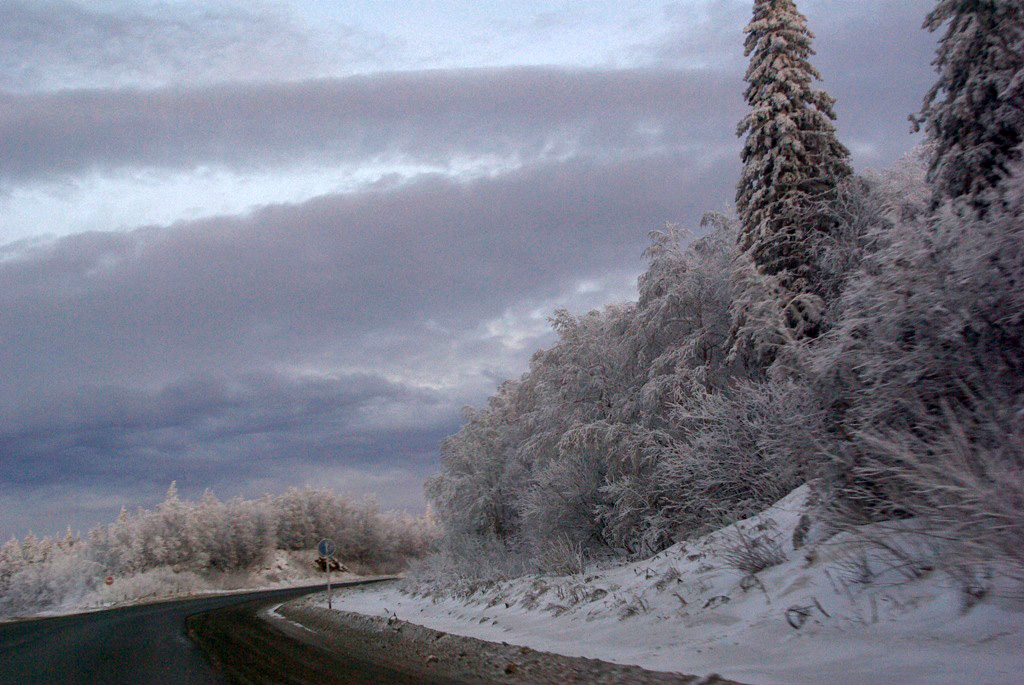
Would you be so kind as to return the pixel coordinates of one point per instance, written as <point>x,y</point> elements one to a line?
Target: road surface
<point>253,650</point>
<point>305,644</point>
<point>138,644</point>
<point>149,644</point>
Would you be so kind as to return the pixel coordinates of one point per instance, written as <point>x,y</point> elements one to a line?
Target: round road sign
<point>326,547</point>
<point>109,580</point>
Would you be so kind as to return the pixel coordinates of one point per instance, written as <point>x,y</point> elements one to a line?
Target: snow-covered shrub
<point>959,472</point>
<point>462,563</point>
<point>862,214</point>
<point>630,497</point>
<point>923,380</point>
<point>62,581</point>
<point>682,318</point>
<point>753,551</point>
<point>759,331</point>
<point>161,581</point>
<point>474,492</point>
<point>901,192</point>
<point>740,450</point>
<point>563,557</point>
<point>562,502</point>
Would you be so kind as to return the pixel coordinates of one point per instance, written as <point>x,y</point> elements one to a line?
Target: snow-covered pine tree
<point>12,560</point>
<point>792,159</point>
<point>974,114</point>
<point>68,541</point>
<point>30,549</point>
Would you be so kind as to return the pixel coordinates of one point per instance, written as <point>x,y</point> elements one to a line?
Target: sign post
<point>326,549</point>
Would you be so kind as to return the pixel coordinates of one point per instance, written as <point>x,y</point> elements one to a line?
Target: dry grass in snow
<point>746,603</point>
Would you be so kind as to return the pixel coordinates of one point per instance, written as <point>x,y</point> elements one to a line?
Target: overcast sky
<point>250,245</point>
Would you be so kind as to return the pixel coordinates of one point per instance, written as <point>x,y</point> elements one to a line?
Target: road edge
<point>432,655</point>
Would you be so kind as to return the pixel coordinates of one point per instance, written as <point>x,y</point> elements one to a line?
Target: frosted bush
<point>462,563</point>
<point>923,381</point>
<point>740,451</point>
<point>62,582</point>
<point>182,546</point>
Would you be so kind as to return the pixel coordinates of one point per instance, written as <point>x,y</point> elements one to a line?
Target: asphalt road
<point>139,644</point>
<point>251,650</point>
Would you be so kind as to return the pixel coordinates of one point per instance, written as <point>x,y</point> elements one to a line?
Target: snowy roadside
<point>354,647</point>
<point>826,613</point>
<point>284,571</point>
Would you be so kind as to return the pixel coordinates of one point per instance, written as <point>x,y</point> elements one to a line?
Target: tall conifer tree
<point>791,157</point>
<point>974,114</point>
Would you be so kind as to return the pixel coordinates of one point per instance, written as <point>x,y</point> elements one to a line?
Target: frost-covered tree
<point>974,114</point>
<point>923,380</point>
<point>474,493</point>
<point>566,452</point>
<point>296,530</point>
<point>68,541</point>
<point>30,549</point>
<point>791,157</point>
<point>12,560</point>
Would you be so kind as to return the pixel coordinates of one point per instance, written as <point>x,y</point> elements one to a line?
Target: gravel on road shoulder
<point>432,656</point>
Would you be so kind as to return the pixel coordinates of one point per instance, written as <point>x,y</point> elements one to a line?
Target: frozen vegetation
<point>647,425</point>
<point>860,334</point>
<point>799,455</point>
<point>183,547</point>
<point>764,600</point>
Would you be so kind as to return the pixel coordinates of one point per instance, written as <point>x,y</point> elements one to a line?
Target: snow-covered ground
<point>689,609</point>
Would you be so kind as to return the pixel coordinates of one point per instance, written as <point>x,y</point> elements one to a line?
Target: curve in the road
<point>138,644</point>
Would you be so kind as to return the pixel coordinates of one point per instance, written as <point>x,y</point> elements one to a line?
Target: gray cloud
<point>291,282</point>
<point>521,113</point>
<point>56,44</point>
<point>211,349</point>
<point>210,429</point>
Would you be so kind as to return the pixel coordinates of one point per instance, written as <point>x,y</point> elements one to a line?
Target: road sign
<point>326,547</point>
<point>109,580</point>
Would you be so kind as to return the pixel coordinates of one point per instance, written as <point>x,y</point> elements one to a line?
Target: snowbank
<point>695,609</point>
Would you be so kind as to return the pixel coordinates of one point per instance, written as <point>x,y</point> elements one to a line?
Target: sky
<point>253,245</point>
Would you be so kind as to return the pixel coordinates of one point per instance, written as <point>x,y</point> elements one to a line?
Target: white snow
<point>686,610</point>
<point>273,613</point>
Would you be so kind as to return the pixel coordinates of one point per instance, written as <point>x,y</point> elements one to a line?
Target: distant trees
<point>182,539</point>
<point>974,114</point>
<point>792,159</point>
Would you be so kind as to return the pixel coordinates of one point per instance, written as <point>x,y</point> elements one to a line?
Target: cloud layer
<point>515,114</point>
<point>204,351</point>
<point>330,332</point>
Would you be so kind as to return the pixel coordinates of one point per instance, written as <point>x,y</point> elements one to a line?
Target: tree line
<point>861,333</point>
<point>204,540</point>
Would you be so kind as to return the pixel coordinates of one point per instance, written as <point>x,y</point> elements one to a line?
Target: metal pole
<point>329,583</point>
